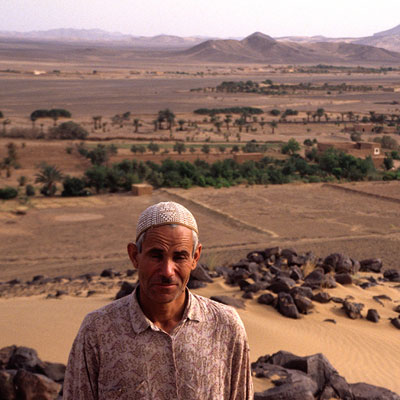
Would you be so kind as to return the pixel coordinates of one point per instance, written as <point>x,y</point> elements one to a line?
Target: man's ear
<point>196,256</point>
<point>133,253</point>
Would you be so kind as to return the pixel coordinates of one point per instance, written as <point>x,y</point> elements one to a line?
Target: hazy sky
<point>222,18</point>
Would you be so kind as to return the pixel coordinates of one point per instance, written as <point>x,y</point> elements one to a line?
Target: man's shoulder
<point>116,309</point>
<point>215,311</point>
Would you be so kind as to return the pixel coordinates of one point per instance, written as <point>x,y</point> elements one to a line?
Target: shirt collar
<point>140,322</point>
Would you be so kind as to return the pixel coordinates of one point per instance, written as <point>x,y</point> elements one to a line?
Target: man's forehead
<point>168,235</point>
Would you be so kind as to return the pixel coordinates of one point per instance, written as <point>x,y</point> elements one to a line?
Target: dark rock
<point>296,260</point>
<point>392,275</point>
<point>340,263</point>
<point>337,300</point>
<point>353,310</point>
<point>234,276</point>
<point>201,274</point>
<point>14,282</point>
<point>322,297</point>
<point>281,284</point>
<point>356,266</point>
<point>272,251</point>
<point>395,322</point>
<point>381,297</point>
<point>60,293</point>
<point>130,272</point>
<point>302,291</point>
<point>372,315</point>
<point>364,391</point>
<point>108,273</point>
<point>367,285</point>
<point>126,289</point>
<point>248,295</point>
<point>296,273</point>
<point>397,309</point>
<point>32,386</point>
<point>317,367</point>
<point>195,284</point>
<point>230,301</point>
<point>222,271</point>
<point>266,298</point>
<point>38,278</point>
<point>25,358</point>
<point>243,283</point>
<point>371,265</point>
<point>315,278</point>
<point>344,279</point>
<point>330,320</point>
<point>329,282</point>
<point>256,256</point>
<point>7,388</point>
<point>286,306</point>
<point>54,371</point>
<point>303,304</point>
<point>291,385</point>
<point>5,355</point>
<point>88,277</point>
<point>91,293</point>
<point>288,253</point>
<point>327,268</point>
<point>256,287</point>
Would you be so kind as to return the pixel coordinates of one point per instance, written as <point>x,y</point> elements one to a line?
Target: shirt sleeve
<point>81,376</point>
<point>241,382</point>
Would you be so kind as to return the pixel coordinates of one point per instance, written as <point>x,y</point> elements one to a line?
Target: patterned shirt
<point>120,354</point>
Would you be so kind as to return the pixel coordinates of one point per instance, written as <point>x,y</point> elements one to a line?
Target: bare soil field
<point>73,236</point>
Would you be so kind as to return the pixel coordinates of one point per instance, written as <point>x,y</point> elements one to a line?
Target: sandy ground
<point>360,350</point>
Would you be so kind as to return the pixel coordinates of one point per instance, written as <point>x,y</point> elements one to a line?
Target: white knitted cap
<point>165,213</point>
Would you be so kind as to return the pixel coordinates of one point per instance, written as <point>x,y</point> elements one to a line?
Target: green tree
<point>68,131</point>
<point>136,124</point>
<point>273,125</point>
<point>320,113</point>
<point>96,177</point>
<point>153,147</point>
<point>179,147</point>
<point>388,163</point>
<point>181,123</point>
<point>48,175</point>
<point>291,147</point>
<point>205,149</point>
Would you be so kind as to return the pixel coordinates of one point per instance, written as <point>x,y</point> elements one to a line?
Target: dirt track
<point>73,236</point>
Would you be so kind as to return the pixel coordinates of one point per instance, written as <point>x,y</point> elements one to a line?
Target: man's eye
<point>156,256</point>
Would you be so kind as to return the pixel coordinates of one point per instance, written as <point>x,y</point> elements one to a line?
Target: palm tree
<point>262,123</point>
<point>181,122</point>
<point>136,124</point>
<point>5,123</point>
<point>320,112</point>
<point>228,120</point>
<point>273,125</point>
<point>48,176</point>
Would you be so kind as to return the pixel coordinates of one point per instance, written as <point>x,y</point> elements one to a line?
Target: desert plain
<point>59,236</point>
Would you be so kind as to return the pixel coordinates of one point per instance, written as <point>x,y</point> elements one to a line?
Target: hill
<point>259,47</point>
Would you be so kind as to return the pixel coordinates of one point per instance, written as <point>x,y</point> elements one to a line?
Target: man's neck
<point>167,315</point>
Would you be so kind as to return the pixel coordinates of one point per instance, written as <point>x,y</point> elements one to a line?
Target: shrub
<point>8,193</point>
<point>68,130</point>
<point>74,187</point>
<point>29,190</point>
<point>22,180</point>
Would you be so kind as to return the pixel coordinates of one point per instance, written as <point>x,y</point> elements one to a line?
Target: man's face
<point>165,263</point>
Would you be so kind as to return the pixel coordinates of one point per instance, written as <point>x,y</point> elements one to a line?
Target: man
<point>161,342</point>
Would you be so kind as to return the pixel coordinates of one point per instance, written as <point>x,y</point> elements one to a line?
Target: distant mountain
<point>389,39</point>
<point>101,36</point>
<point>262,48</point>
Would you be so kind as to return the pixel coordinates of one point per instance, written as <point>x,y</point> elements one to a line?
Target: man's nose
<point>167,268</point>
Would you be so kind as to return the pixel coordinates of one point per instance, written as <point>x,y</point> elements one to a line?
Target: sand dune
<point>360,350</point>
